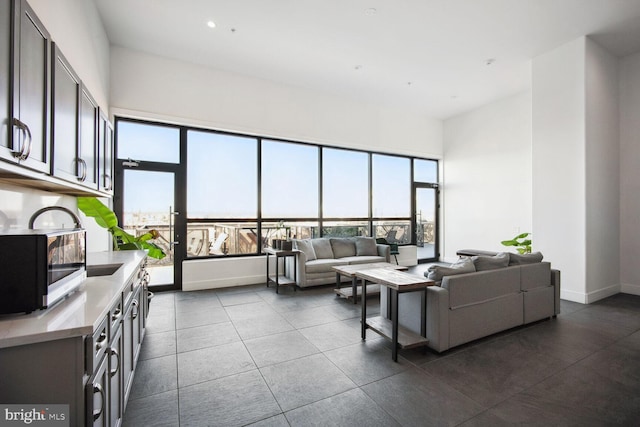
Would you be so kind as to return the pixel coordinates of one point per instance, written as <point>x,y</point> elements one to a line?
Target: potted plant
<point>106,218</point>
<point>522,243</point>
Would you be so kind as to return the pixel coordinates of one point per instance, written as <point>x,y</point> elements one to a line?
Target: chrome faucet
<point>32,220</point>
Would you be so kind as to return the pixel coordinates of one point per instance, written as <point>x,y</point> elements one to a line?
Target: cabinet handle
<point>97,388</point>
<point>101,341</point>
<point>114,352</point>
<point>108,182</point>
<point>83,175</point>
<point>117,314</point>
<point>27,143</point>
<point>134,315</point>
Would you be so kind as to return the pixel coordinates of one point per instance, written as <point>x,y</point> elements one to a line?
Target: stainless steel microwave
<point>40,267</point>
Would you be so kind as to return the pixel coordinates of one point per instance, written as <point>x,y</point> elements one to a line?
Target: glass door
<point>148,203</point>
<point>425,218</point>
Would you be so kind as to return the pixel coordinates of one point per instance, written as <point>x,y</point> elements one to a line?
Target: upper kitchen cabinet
<point>105,154</point>
<point>88,147</point>
<point>5,77</point>
<point>24,93</point>
<point>65,115</point>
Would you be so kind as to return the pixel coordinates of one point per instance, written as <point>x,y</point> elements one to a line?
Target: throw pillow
<point>343,247</point>
<point>322,248</point>
<point>305,246</point>
<point>437,272</point>
<point>483,263</point>
<point>366,246</point>
<point>520,259</point>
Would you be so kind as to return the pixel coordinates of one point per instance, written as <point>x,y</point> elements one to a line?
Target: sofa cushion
<point>366,246</point>
<point>323,265</point>
<point>536,275</point>
<point>520,259</point>
<point>343,247</point>
<point>322,248</point>
<point>363,259</point>
<point>437,272</point>
<point>483,263</point>
<point>305,246</point>
<point>476,288</point>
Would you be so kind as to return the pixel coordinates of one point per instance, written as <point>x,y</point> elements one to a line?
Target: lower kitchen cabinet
<point>92,373</point>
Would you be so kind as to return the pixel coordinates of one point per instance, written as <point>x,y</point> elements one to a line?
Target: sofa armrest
<point>474,252</point>
<point>385,251</point>
<point>555,282</point>
<point>301,273</point>
<point>438,318</point>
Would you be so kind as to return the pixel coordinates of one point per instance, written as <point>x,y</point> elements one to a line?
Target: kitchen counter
<point>79,313</point>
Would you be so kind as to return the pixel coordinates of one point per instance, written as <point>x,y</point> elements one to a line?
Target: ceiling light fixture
<point>490,61</point>
<point>211,24</point>
<point>371,11</point>
<point>357,67</point>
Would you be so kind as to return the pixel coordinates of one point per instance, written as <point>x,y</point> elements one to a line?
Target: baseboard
<point>573,296</point>
<point>630,289</point>
<point>602,293</point>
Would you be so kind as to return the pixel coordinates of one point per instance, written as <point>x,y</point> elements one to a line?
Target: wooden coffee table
<point>350,271</point>
<point>397,282</point>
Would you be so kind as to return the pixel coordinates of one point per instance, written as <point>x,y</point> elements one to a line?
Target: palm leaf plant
<point>122,241</point>
<point>521,242</point>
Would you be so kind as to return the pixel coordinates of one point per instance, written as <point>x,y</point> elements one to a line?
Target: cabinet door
<point>127,350</point>
<point>97,396</point>
<point>6,37</point>
<point>88,149</point>
<point>105,154</point>
<point>137,315</point>
<point>116,390</point>
<point>30,134</point>
<point>65,106</point>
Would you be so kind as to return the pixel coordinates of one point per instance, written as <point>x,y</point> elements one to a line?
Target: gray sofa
<point>473,305</point>
<point>318,256</point>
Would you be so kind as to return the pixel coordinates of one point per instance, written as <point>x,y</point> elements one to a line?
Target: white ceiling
<point>428,55</point>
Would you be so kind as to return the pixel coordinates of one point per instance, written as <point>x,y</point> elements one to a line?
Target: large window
<point>345,183</point>
<point>234,194</point>
<point>289,180</point>
<point>221,176</point>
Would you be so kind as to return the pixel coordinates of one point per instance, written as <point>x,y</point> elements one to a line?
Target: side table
<point>397,282</point>
<point>281,279</point>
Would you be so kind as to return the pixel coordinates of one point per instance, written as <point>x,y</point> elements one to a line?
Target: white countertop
<point>80,312</point>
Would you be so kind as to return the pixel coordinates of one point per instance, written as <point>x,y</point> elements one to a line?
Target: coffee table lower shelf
<point>347,291</point>
<point>406,338</point>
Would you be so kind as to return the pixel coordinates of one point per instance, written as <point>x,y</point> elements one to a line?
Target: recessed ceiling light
<point>211,24</point>
<point>371,11</point>
<point>357,67</point>
<point>490,61</point>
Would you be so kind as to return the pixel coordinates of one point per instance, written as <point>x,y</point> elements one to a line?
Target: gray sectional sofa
<point>474,304</point>
<point>318,256</point>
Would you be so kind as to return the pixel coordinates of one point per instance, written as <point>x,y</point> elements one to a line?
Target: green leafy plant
<point>522,242</point>
<point>122,241</point>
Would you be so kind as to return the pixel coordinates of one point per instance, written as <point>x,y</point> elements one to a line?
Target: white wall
<point>152,87</point>
<point>630,173</point>
<point>575,167</point>
<point>76,27</point>
<point>559,217</point>
<point>487,176</point>
<point>149,86</point>
<point>602,173</point>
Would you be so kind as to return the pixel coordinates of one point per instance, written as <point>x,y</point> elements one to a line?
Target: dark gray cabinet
<point>6,38</point>
<point>26,123</point>
<point>66,89</point>
<point>49,122</point>
<point>88,146</point>
<point>105,154</point>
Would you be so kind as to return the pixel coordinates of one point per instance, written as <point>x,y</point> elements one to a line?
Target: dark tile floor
<point>238,356</point>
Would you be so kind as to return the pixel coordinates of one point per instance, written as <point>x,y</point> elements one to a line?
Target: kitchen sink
<point>102,269</point>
